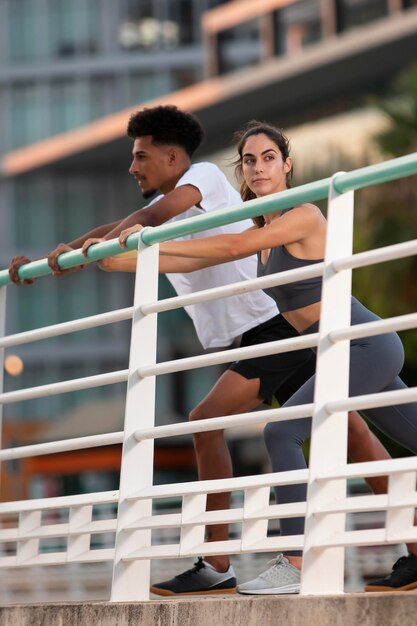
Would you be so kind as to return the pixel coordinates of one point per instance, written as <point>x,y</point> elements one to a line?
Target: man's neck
<point>171,184</point>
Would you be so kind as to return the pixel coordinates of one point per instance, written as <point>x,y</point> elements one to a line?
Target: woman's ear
<point>288,165</point>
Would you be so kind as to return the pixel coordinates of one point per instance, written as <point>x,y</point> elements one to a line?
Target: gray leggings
<point>375,363</point>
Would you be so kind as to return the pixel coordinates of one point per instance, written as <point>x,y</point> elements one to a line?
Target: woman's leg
<point>284,444</point>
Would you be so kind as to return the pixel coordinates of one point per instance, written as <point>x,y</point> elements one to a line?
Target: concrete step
<point>373,609</point>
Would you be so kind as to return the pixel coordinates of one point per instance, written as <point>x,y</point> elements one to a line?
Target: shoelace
<point>278,559</point>
<point>197,567</point>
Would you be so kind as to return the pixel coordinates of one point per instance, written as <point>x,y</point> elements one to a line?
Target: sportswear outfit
<point>375,363</point>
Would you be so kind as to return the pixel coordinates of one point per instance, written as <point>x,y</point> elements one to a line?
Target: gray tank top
<point>294,295</point>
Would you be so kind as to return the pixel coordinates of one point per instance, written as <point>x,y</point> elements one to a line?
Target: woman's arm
<point>295,226</point>
<point>126,262</point>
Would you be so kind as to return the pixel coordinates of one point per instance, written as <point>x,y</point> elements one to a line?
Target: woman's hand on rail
<point>90,242</point>
<point>53,260</point>
<point>128,231</point>
<point>16,262</point>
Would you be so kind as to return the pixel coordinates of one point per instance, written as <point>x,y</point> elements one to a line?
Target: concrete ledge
<point>375,609</point>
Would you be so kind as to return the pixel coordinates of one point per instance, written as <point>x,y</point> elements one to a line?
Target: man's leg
<point>363,445</point>
<point>232,394</point>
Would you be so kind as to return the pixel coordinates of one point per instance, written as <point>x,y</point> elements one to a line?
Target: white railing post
<point>192,536</point>
<point>79,544</point>
<point>254,530</point>
<point>131,579</point>
<point>28,548</point>
<point>323,568</point>
<point>399,521</point>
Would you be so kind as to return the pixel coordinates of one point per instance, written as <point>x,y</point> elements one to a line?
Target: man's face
<point>150,165</point>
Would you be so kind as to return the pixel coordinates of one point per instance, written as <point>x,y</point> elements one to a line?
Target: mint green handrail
<point>311,192</point>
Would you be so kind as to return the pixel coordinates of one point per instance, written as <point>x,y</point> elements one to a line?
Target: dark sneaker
<point>201,579</point>
<point>402,578</point>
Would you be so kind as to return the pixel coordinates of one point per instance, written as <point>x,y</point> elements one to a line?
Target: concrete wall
<point>375,609</point>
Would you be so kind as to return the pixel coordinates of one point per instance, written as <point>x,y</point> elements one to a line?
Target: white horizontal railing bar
<point>88,382</point>
<point>372,468</point>
<point>56,558</point>
<point>224,484</point>
<point>379,327</point>
<point>164,551</point>
<point>66,445</point>
<point>277,543</point>
<point>231,546</point>
<point>233,289</point>
<point>373,400</point>
<point>368,537</point>
<point>220,516</point>
<point>379,255</point>
<point>364,504</point>
<point>226,421</point>
<point>66,327</point>
<point>59,530</point>
<point>166,520</point>
<point>60,502</point>
<point>227,356</point>
<point>174,520</point>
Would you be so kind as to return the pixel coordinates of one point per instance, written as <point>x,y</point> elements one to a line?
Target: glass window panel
<point>24,18</point>
<point>74,27</point>
<point>27,115</point>
<point>33,226</point>
<point>70,106</point>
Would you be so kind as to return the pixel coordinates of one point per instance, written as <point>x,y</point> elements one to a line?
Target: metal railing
<point>326,505</point>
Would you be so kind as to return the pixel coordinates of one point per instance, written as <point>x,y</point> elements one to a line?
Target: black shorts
<point>280,375</point>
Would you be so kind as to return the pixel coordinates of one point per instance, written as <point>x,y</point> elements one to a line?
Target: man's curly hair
<point>168,126</point>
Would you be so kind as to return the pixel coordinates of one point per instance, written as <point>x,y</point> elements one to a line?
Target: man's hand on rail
<point>16,262</point>
<point>128,231</point>
<point>90,242</point>
<point>53,260</point>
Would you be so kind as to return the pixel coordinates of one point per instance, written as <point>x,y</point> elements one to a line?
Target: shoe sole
<point>269,592</point>
<point>204,592</point>
<point>410,587</point>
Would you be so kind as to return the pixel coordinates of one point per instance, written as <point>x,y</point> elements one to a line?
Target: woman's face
<point>263,168</point>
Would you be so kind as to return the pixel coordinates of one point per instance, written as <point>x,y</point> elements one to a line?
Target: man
<point>164,140</point>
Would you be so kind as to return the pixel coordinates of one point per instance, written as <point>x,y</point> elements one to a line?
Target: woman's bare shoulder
<point>309,207</point>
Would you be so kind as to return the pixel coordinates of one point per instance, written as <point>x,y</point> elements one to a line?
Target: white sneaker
<point>281,577</point>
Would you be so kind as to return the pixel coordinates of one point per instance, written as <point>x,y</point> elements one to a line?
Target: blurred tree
<point>387,214</point>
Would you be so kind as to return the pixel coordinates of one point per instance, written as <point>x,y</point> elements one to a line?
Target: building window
<point>160,24</point>
<point>24,21</point>
<point>74,27</point>
<point>70,106</point>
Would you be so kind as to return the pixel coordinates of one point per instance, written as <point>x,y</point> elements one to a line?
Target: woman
<point>284,240</point>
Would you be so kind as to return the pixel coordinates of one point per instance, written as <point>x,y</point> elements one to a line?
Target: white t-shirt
<point>219,322</point>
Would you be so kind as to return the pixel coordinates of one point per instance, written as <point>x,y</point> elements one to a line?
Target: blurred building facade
<point>66,64</point>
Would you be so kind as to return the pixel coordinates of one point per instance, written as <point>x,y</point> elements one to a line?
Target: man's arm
<point>173,203</point>
<point>18,261</point>
<point>99,231</point>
